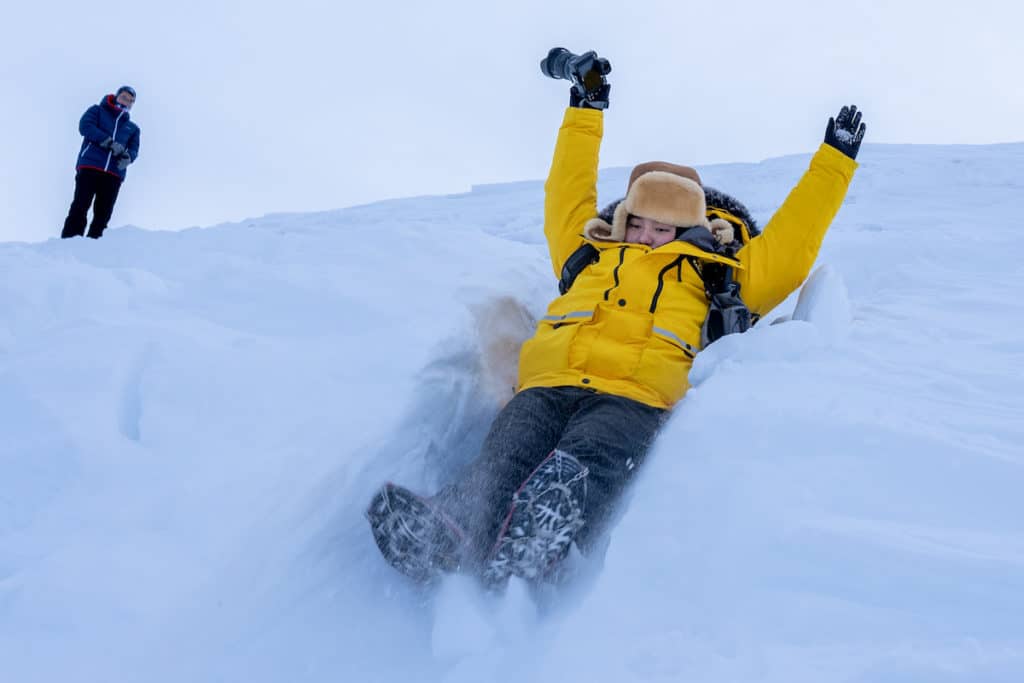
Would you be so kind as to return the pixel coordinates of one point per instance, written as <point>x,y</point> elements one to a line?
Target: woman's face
<point>640,230</point>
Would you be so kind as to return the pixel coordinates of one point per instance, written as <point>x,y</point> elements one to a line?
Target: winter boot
<point>546,513</point>
<point>413,535</point>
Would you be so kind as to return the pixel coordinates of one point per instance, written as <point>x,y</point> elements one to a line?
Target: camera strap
<point>727,312</point>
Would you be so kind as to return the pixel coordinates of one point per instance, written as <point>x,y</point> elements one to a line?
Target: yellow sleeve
<point>779,259</point>
<point>570,193</point>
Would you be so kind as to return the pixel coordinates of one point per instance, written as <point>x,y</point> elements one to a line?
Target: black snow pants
<point>91,184</point>
<point>609,435</point>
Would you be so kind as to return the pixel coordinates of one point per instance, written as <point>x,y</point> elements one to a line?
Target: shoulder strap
<point>585,255</point>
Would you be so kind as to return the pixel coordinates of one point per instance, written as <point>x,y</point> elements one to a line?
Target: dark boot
<point>547,512</point>
<point>413,535</point>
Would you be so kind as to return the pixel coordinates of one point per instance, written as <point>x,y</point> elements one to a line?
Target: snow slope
<point>191,423</point>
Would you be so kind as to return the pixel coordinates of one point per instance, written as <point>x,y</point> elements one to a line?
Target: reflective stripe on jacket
<point>630,324</point>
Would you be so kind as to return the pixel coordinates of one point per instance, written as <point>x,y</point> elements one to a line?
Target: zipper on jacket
<point>113,138</point>
<point>88,144</point>
<point>661,281</point>
<point>615,273</point>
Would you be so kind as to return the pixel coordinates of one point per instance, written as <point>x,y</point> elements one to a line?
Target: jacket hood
<point>716,199</point>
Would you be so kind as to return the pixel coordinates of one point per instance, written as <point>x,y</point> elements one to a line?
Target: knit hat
<point>126,88</point>
<point>667,193</point>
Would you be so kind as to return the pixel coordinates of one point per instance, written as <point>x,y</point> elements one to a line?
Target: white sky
<point>254,107</point>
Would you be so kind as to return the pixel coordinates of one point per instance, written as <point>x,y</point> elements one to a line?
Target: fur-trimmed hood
<point>716,199</point>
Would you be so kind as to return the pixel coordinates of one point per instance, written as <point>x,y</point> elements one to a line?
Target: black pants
<point>608,434</point>
<point>91,184</point>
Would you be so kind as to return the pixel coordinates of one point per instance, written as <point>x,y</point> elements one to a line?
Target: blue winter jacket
<point>99,122</point>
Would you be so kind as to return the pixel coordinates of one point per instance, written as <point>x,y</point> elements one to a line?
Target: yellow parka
<point>630,324</point>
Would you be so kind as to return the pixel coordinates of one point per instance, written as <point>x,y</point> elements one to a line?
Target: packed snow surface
<point>192,422</point>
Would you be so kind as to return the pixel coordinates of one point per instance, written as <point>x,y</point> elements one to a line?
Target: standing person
<point>110,142</point>
<point>645,284</point>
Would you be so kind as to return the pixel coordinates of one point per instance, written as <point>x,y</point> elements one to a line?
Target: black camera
<point>586,71</point>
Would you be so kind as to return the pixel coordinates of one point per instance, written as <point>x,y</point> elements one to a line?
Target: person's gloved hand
<point>117,148</point>
<point>845,131</point>
<point>595,99</point>
<point>123,161</point>
<point>106,143</point>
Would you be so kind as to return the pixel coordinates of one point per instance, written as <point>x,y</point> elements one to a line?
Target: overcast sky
<point>253,107</point>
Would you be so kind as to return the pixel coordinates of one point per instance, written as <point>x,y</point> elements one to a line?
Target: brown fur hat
<point>667,193</point>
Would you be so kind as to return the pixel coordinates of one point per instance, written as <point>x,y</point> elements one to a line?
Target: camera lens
<point>556,64</point>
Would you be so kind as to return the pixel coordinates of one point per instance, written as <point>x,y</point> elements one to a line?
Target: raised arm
<point>780,258</point>
<point>570,193</point>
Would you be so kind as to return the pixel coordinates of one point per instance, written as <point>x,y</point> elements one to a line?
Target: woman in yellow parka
<point>645,284</point>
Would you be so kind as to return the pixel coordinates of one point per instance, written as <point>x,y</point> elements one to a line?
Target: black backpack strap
<point>585,255</point>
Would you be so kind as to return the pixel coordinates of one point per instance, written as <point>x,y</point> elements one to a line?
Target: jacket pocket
<point>547,351</point>
<point>676,340</point>
<point>612,344</point>
<point>575,317</point>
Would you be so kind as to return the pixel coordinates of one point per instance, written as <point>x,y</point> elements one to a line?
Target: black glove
<point>117,148</point>
<point>845,131</point>
<point>597,99</point>
<point>123,161</point>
